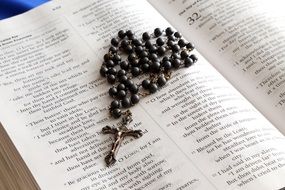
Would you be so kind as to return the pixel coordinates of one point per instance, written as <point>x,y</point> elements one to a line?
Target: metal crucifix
<point>120,133</point>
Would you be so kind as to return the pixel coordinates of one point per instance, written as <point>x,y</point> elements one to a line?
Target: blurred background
<point>10,8</point>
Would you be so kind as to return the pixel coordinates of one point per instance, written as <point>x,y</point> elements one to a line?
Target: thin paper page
<point>244,40</point>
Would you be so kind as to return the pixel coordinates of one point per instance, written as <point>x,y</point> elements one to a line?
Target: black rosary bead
<point>128,83</point>
<point>143,54</point>
<point>165,58</point>
<point>175,56</point>
<point>171,38</point>
<point>129,33</point>
<point>152,88</point>
<point>157,32</point>
<point>112,71</point>
<point>116,113</point>
<point>145,67</point>
<point>113,91</point>
<point>188,62</point>
<point>161,80</point>
<point>152,49</point>
<point>170,43</point>
<point>184,54</point>
<point>137,42</point>
<point>139,50</point>
<point>145,36</point>
<point>116,59</point>
<point>111,79</point>
<point>148,44</point>
<point>107,57</point>
<point>103,71</point>
<point>194,58</point>
<point>153,56</point>
<point>190,46</point>
<point>124,65</point>
<point>145,84</point>
<point>121,86</point>
<point>129,49</point>
<point>121,72</point>
<point>144,60</point>
<point>135,99</point>
<point>161,50</point>
<point>123,79</point>
<point>169,31</point>
<point>121,94</point>
<point>124,43</point>
<point>166,65</point>
<point>110,63</point>
<point>176,63</point>
<point>121,34</point>
<point>115,42</point>
<point>155,67</point>
<point>177,35</point>
<point>115,104</point>
<point>182,43</point>
<point>136,71</point>
<point>175,48</point>
<point>132,57</point>
<point>159,41</point>
<point>126,103</point>
<point>134,88</point>
<point>135,63</point>
<point>113,49</point>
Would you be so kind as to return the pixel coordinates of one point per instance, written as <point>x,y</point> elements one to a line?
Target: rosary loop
<point>137,68</point>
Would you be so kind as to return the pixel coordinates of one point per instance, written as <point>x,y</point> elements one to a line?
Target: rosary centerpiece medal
<point>153,57</point>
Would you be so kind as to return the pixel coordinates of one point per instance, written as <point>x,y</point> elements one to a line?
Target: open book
<point>217,125</point>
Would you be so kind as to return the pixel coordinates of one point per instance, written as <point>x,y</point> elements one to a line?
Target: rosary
<point>153,58</point>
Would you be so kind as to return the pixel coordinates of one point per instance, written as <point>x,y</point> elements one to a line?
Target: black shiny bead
<point>116,59</point>
<point>152,49</point>
<point>121,34</point>
<point>113,49</point>
<point>167,65</point>
<point>148,44</point>
<point>112,71</point>
<point>159,41</point>
<point>121,86</point>
<point>113,91</point>
<point>161,50</point>
<point>135,63</point>
<point>184,54</point>
<point>137,42</point>
<point>194,58</point>
<point>188,62</point>
<point>128,83</point>
<point>129,49</point>
<point>132,57</point>
<point>115,104</point>
<point>155,67</point>
<point>121,94</point>
<point>143,60</point>
<point>169,31</point>
<point>143,54</point>
<point>161,81</point>
<point>139,50</point>
<point>123,79</point>
<point>110,63</point>
<point>165,59</point>
<point>136,71</point>
<point>170,43</point>
<point>145,67</point>
<point>176,63</point>
<point>175,56</point>
<point>103,71</point>
<point>124,43</point>
<point>153,56</point>
<point>114,42</point>
<point>175,48</point>
<point>116,113</point>
<point>129,33</point>
<point>134,88</point>
<point>182,43</point>
<point>107,57</point>
<point>157,32</point>
<point>124,65</point>
<point>121,72</point>
<point>126,103</point>
<point>177,35</point>
<point>190,46</point>
<point>171,38</point>
<point>145,83</point>
<point>135,99</point>
<point>111,79</point>
<point>152,88</point>
<point>145,36</point>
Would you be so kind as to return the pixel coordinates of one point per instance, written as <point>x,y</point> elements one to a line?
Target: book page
<point>199,132</point>
<point>244,40</point>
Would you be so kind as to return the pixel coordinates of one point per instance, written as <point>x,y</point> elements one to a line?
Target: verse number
<point>191,19</point>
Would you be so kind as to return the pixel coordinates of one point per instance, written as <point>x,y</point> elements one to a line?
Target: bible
<point>216,125</point>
